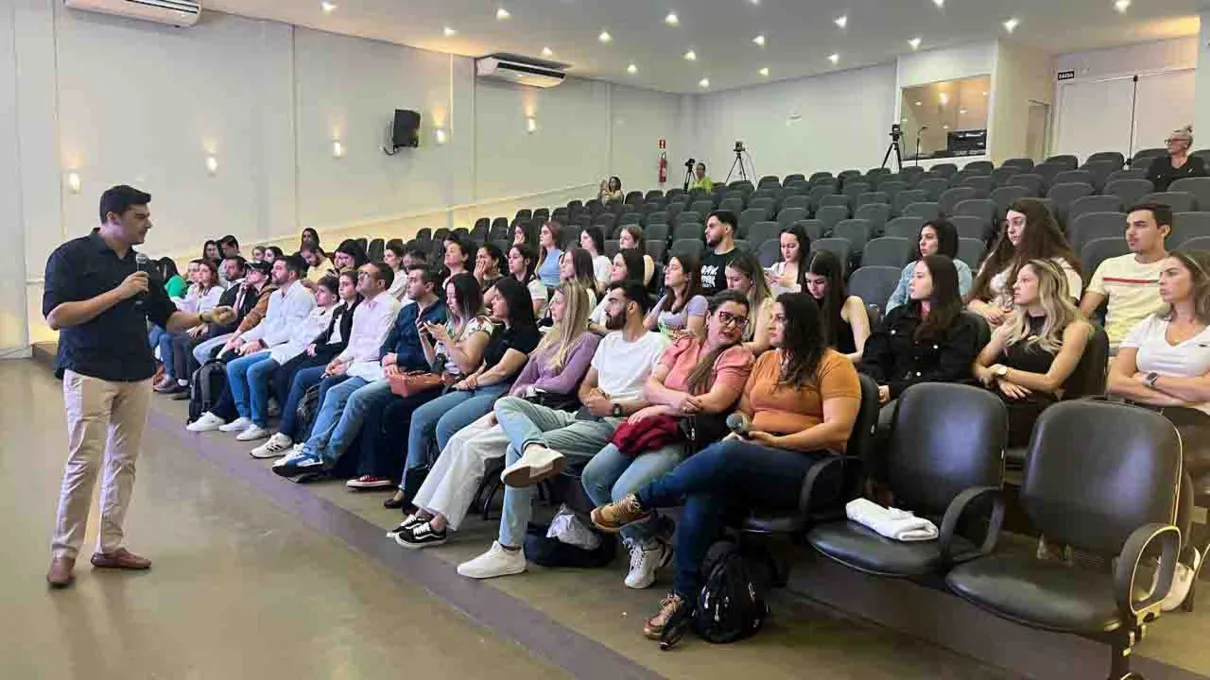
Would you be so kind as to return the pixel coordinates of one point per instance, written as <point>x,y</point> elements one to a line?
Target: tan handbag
<point>414,382</point>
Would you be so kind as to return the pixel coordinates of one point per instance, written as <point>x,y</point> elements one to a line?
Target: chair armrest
<point>813,474</point>
<point>958,507</point>
<point>1128,568</point>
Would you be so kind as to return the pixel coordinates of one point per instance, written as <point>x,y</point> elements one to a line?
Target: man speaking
<point>100,299</point>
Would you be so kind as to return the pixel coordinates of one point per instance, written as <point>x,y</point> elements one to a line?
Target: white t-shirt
<point>1189,359</point>
<point>1075,284</point>
<point>623,367</point>
<point>1132,291</point>
<point>600,268</point>
<point>779,270</point>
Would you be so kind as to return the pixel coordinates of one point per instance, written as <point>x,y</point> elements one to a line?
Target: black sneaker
<point>420,536</point>
<point>408,522</point>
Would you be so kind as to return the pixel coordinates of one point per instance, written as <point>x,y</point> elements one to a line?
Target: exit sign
<point>1067,75</point>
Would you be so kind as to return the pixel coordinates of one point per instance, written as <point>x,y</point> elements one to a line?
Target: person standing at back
<point>1131,283</point>
<point>720,249</point>
<point>106,365</point>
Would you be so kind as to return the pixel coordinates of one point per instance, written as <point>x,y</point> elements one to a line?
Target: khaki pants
<point>105,422</point>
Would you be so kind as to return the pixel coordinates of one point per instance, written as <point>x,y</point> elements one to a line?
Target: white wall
<point>1201,119</point>
<point>12,260</point>
<point>1164,55</point>
<point>951,63</point>
<point>1023,76</point>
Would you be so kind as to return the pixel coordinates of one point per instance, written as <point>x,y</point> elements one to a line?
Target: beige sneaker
<point>612,517</point>
<point>536,464</point>
<point>654,627</point>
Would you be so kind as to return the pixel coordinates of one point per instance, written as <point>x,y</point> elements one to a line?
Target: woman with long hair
<point>575,266</point>
<point>592,239</point>
<point>550,241</point>
<point>1164,364</point>
<point>682,309</point>
<point>700,376</point>
<point>309,236</point>
<point>801,401</point>
<point>174,283</point>
<point>627,266</point>
<point>631,237</point>
<point>1030,233</point>
<point>1033,353</point>
<point>522,261</point>
<point>272,254</point>
<point>553,373</point>
<point>211,252</point>
<point>349,255</point>
<point>611,190</point>
<point>937,237</point>
<point>490,264</point>
<point>203,296</point>
<point>786,276</point>
<point>525,233</point>
<point>744,276</point>
<point>846,323</point>
<point>926,340</point>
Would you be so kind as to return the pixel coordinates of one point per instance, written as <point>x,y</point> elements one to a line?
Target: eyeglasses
<point>727,319</point>
<point>1172,140</point>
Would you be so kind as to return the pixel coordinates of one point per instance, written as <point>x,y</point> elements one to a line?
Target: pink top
<point>731,368</point>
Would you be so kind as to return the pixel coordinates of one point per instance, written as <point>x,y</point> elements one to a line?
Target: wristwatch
<point>1000,370</point>
<point>617,410</point>
<point>1149,381</point>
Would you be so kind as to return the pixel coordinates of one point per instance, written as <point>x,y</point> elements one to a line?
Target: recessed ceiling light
<point>672,19</point>
<point>632,69</point>
<point>1011,24</point>
<point>704,82</point>
<point>835,58</point>
<point>1121,6</point>
<point>449,32</point>
<point>547,52</point>
<point>327,7</point>
<point>962,111</point>
<point>842,20</point>
<point>764,71</point>
<point>915,43</point>
<point>985,93</point>
<point>939,3</point>
<point>691,56</point>
<point>945,127</point>
<point>759,40</point>
<point>502,14</point>
<point>605,37</point>
<point>919,103</point>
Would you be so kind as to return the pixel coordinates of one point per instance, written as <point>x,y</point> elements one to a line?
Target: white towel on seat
<point>895,524</point>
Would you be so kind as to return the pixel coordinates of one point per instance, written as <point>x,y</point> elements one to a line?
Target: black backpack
<point>731,605</point>
<point>206,387</point>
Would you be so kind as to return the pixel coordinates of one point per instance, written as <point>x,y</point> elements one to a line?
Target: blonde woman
<point>745,276</point>
<point>1177,163</point>
<point>552,375</point>
<point>1033,353</point>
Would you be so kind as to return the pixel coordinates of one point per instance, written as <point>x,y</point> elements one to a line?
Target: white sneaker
<point>645,561</point>
<point>1182,581</point>
<point>277,446</point>
<point>495,562</point>
<point>295,454</point>
<point>207,423</point>
<point>237,425</point>
<point>536,464</point>
<point>253,433</point>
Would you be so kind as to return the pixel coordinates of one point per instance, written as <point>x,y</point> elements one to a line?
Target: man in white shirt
<point>359,365</point>
<point>541,438</point>
<point>1130,283</point>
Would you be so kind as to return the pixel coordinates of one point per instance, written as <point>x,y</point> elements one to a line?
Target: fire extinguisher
<point>663,162</point>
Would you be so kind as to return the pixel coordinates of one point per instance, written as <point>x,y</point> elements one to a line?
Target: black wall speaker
<point>405,130</point>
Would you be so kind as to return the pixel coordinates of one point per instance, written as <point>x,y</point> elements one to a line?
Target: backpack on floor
<point>731,605</point>
<point>205,387</point>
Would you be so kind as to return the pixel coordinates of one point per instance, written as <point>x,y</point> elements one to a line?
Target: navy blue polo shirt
<point>113,346</point>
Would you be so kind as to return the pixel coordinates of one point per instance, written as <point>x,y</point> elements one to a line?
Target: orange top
<point>783,410</point>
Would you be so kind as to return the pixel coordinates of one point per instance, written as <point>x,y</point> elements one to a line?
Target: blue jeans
<point>443,416</point>
<point>250,400</point>
<point>303,380</point>
<point>339,420</point>
<point>384,434</point>
<point>153,337</point>
<point>526,424</point>
<point>611,476</point>
<point>724,476</point>
<point>202,351</point>
<point>165,341</point>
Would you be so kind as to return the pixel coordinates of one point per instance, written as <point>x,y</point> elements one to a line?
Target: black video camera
<point>690,163</point>
<point>739,147</point>
<point>896,131</point>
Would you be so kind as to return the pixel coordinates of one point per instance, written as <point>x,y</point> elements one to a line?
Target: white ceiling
<point>800,34</point>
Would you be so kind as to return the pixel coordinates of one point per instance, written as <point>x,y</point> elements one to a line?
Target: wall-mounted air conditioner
<point>519,72</point>
<point>180,13</point>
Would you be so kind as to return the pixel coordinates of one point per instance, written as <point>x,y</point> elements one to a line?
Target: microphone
<point>142,263</point>
<point>739,424</point>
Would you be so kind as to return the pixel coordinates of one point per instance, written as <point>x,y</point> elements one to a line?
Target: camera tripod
<point>738,163</point>
<point>897,150</point>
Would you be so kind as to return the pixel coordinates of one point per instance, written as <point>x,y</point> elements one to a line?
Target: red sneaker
<point>369,482</point>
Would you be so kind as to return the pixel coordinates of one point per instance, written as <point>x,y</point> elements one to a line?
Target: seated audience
<point>1030,233</point>
<point>273,254</point>
<point>1130,283</point>
<point>459,256</point>
<point>211,252</point>
<point>1177,163</point>
<point>846,323</point>
<point>258,253</point>
<point>699,377</point>
<point>526,233</point>
<point>721,227</point>
<point>786,276</point>
<point>745,277</point>
<point>682,309</point>
<point>700,179</point>
<point>229,246</point>
<point>318,263</point>
<point>631,237</point>
<point>550,378</point>
<point>938,237</point>
<point>1033,353</point>
<point>522,259</point>
<point>541,438</point>
<point>308,236</point>
<point>349,255</point>
<point>575,266</point>
<point>801,401</point>
<point>611,191</point>
<point>490,263</point>
<point>1164,364</point>
<point>203,296</point>
<point>550,239</point>
<point>627,266</point>
<point>400,260</point>
<point>928,339</point>
<point>249,299</point>
<point>592,239</point>
<point>174,284</point>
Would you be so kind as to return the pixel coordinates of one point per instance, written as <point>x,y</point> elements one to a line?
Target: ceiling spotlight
<point>327,7</point>
<point>842,21</point>
<point>915,43</point>
<point>945,127</point>
<point>547,52</point>
<point>919,103</point>
<point>632,69</point>
<point>962,111</point>
<point>605,37</point>
<point>449,32</point>
<point>939,3</point>
<point>1011,24</point>
<point>704,82</point>
<point>1121,6</point>
<point>764,72</point>
<point>531,125</point>
<point>691,56</point>
<point>502,14</point>
<point>834,58</point>
<point>672,19</point>
<point>759,40</point>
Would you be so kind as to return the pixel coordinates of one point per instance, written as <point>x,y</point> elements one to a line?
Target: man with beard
<point>541,438</point>
<point>720,239</point>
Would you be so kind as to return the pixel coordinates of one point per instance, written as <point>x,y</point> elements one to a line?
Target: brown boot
<point>59,575</point>
<point>120,559</point>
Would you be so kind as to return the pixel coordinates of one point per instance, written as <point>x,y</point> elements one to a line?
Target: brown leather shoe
<point>120,559</point>
<point>59,575</point>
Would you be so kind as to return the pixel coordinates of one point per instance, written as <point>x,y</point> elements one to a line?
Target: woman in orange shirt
<point>801,400</point>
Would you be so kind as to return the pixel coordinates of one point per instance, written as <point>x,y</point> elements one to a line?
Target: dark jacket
<point>1162,174</point>
<point>404,339</point>
<point>894,359</point>
<point>344,316</point>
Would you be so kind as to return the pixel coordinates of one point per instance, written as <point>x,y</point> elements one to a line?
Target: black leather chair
<point>938,471</point>
<point>1103,478</point>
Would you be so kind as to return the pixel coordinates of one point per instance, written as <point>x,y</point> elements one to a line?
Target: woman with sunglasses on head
<point>744,276</point>
<point>937,237</point>
<point>1177,163</point>
<point>682,309</point>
